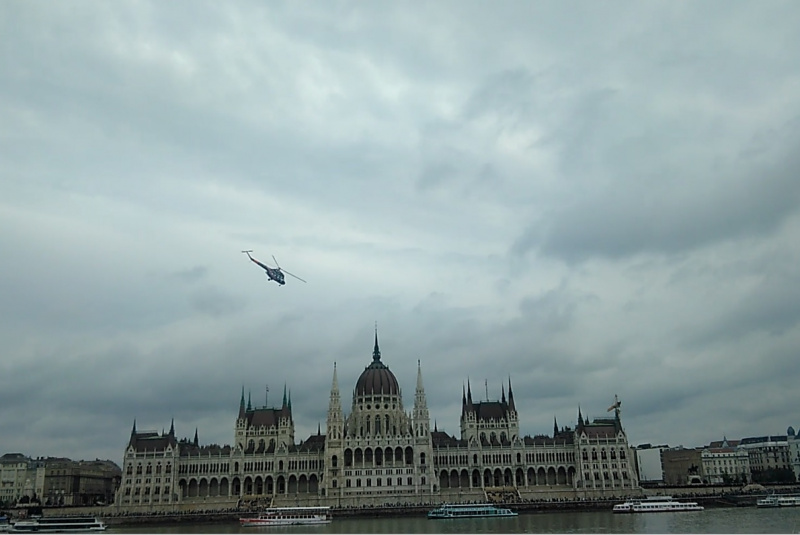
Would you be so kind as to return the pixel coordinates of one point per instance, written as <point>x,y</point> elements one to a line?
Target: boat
<point>656,504</point>
<point>58,524</point>
<point>289,516</point>
<point>768,501</point>
<point>469,511</point>
<point>788,501</point>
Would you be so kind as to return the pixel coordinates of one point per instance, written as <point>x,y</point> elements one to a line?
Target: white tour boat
<point>768,501</point>
<point>289,516</point>
<point>469,511</point>
<point>656,504</point>
<point>58,524</point>
<point>788,501</point>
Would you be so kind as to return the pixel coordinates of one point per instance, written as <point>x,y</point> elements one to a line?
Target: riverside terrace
<point>716,496</point>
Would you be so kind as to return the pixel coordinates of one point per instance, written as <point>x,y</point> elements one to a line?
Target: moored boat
<point>58,524</point>
<point>289,516</point>
<point>469,511</point>
<point>788,501</point>
<point>656,504</point>
<point>768,501</point>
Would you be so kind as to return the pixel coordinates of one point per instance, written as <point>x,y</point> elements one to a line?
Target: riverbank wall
<point>227,510</point>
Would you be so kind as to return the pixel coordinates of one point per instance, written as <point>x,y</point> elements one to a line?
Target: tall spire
<point>284,396</point>
<point>249,405</point>
<point>422,419</point>
<point>335,420</point>
<point>196,442</point>
<point>511,405</point>
<point>241,404</point>
<point>172,428</point>
<point>555,427</point>
<point>376,352</point>
<point>503,394</point>
<point>133,431</point>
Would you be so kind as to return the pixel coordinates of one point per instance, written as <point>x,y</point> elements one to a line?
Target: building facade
<point>793,441</point>
<point>682,466</point>
<point>378,453</point>
<point>770,458</point>
<point>725,462</point>
<point>57,480</point>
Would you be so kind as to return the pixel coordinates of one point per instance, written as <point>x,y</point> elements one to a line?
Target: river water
<point>712,520</point>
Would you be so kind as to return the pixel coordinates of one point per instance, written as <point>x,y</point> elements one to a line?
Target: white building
<point>20,476</point>
<point>725,462</point>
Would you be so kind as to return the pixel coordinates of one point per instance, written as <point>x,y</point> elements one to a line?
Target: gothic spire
<point>196,442</point>
<point>133,431</point>
<point>241,404</point>
<point>376,352</point>
<point>503,394</point>
<point>249,405</point>
<point>420,401</point>
<point>511,405</point>
<point>172,428</point>
<point>284,396</point>
<point>555,427</point>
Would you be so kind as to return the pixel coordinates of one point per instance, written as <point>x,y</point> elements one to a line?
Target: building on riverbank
<point>57,480</point>
<point>379,454</point>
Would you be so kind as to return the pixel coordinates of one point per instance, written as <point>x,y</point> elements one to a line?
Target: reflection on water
<point>726,520</point>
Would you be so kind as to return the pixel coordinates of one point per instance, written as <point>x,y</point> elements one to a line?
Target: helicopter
<point>274,274</point>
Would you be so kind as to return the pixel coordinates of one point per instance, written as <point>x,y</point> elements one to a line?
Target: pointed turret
<point>284,396</point>
<point>133,431</point>
<point>196,442</point>
<point>249,405</point>
<point>502,394</point>
<point>555,427</point>
<point>172,428</point>
<point>335,421</point>
<point>241,404</point>
<point>421,416</point>
<point>580,417</point>
<point>511,405</point>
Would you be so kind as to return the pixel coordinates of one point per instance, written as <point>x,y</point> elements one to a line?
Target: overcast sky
<point>591,198</point>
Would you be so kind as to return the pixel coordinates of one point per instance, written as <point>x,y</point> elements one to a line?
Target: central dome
<point>377,379</point>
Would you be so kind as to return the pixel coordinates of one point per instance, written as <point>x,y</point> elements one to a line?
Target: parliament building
<point>378,454</point>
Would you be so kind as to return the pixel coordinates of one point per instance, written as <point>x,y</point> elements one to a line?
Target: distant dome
<point>377,379</point>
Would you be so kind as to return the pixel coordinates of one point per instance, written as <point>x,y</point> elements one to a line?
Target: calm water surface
<point>724,520</point>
